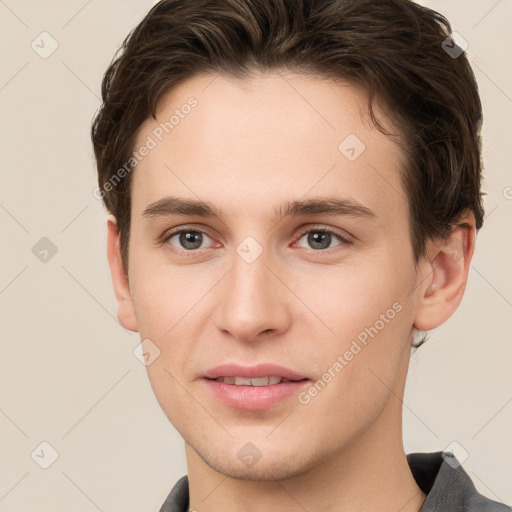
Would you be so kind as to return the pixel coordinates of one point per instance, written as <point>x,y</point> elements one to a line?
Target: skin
<point>247,147</point>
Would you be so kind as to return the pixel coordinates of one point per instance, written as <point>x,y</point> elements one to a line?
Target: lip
<point>253,398</point>
<point>260,370</point>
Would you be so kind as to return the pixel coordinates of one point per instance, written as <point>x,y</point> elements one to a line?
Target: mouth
<point>253,388</point>
<point>255,381</point>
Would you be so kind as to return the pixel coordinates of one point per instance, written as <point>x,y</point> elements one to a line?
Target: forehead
<point>279,134</point>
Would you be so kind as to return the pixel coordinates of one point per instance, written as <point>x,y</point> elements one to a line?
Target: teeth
<point>259,381</point>
<point>256,381</point>
<point>242,381</point>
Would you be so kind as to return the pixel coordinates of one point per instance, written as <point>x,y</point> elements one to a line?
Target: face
<point>302,270</point>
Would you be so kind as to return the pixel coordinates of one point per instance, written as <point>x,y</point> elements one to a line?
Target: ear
<point>446,268</point>
<point>125,310</point>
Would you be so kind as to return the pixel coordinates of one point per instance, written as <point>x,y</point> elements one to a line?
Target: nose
<point>254,302</point>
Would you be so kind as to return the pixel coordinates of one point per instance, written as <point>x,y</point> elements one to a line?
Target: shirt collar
<point>439,475</point>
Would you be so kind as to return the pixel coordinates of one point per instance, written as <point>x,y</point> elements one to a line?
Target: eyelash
<point>343,238</point>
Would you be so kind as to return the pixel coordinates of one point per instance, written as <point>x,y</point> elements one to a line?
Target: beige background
<point>67,372</point>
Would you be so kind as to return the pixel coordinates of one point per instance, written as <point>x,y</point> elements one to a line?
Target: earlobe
<point>446,272</point>
<point>125,309</point>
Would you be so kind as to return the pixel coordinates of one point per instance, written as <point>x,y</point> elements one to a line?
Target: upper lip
<point>249,372</point>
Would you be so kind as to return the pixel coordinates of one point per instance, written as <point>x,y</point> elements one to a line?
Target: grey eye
<point>189,240</point>
<point>319,239</point>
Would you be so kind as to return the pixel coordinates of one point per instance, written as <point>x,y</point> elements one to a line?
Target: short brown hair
<point>395,49</point>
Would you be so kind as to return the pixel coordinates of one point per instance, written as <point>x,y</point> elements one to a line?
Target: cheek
<point>163,297</point>
<point>175,400</point>
<point>359,379</point>
<point>166,316</point>
<point>167,305</point>
<point>351,302</point>
<point>369,326</point>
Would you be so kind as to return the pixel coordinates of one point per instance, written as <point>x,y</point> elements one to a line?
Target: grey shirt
<point>442,478</point>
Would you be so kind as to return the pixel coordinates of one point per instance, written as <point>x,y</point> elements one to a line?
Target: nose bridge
<point>250,275</point>
<point>251,301</point>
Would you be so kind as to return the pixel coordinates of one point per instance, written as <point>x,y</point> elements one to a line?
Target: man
<point>295,194</point>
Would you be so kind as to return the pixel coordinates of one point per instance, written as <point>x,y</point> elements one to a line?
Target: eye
<point>187,239</point>
<point>321,238</point>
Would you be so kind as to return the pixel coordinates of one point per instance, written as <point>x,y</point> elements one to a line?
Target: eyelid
<point>186,228</point>
<point>345,237</point>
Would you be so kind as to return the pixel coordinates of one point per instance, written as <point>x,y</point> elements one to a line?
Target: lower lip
<point>254,398</point>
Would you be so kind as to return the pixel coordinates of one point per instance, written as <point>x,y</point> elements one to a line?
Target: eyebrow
<point>171,205</point>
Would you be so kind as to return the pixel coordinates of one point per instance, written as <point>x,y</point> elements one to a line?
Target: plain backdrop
<point>68,375</point>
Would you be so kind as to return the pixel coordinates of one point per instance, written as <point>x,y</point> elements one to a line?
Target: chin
<point>268,468</point>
